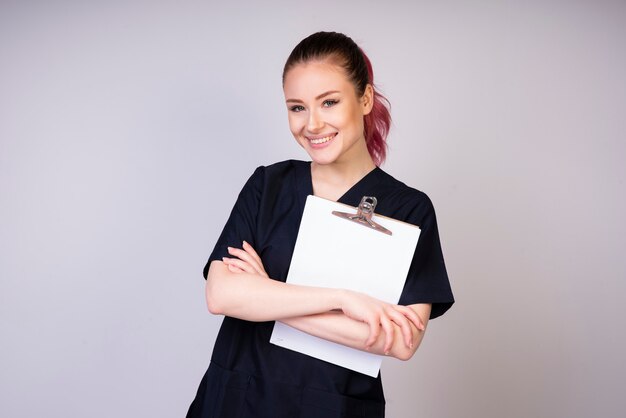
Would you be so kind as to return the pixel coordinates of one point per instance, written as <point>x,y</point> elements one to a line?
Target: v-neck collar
<point>351,197</point>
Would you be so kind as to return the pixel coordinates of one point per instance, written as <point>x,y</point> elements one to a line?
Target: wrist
<point>338,298</point>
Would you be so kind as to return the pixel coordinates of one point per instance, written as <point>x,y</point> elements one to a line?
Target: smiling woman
<point>328,125</point>
<point>336,115</point>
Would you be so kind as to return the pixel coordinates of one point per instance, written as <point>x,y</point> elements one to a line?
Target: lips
<point>319,139</point>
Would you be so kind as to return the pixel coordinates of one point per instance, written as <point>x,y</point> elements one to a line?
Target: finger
<point>389,334</point>
<point>243,255</point>
<point>413,317</point>
<point>242,265</point>
<point>234,269</point>
<point>405,326</point>
<point>250,250</point>
<point>248,258</point>
<point>374,324</point>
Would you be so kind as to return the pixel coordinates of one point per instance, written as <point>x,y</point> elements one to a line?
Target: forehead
<point>315,77</point>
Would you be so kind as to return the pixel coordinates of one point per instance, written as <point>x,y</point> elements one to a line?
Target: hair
<point>346,53</point>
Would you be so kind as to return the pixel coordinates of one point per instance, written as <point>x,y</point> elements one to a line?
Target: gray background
<point>128,128</point>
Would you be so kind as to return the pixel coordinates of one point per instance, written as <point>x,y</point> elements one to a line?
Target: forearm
<point>338,328</point>
<point>256,298</point>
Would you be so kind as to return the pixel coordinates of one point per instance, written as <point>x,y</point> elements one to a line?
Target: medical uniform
<point>249,377</point>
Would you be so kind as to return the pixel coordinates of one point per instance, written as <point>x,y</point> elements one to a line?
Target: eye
<point>296,108</point>
<point>329,102</point>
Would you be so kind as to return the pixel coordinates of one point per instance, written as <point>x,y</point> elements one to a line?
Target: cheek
<point>358,119</point>
<point>350,118</point>
<point>295,124</point>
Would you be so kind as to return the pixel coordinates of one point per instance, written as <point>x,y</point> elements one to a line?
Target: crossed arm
<point>239,287</point>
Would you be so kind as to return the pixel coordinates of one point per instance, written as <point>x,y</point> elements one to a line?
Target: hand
<point>358,306</point>
<point>247,261</point>
<point>378,314</point>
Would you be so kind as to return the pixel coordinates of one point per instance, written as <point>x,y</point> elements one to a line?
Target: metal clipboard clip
<point>364,214</point>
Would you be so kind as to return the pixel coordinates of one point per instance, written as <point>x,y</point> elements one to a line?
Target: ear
<point>367,100</point>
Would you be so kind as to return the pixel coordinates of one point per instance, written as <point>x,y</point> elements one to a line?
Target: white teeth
<point>321,140</point>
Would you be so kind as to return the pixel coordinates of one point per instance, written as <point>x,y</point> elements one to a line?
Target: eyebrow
<point>317,98</point>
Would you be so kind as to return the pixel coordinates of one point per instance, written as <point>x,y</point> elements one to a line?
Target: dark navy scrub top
<point>250,378</point>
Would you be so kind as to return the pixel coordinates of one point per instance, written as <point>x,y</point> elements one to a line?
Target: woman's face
<point>325,114</point>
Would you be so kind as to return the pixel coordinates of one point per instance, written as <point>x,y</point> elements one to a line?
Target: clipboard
<point>339,246</point>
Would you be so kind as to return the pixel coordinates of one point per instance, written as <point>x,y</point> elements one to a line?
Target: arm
<point>336,327</point>
<point>239,287</point>
<point>251,297</point>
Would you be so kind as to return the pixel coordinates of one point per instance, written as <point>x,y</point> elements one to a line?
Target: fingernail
<point>244,242</point>
<point>411,344</point>
<point>386,353</point>
<point>230,249</point>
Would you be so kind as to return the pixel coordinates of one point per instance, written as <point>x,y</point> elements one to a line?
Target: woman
<point>341,121</point>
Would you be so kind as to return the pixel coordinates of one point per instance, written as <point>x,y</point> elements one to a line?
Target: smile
<point>322,140</point>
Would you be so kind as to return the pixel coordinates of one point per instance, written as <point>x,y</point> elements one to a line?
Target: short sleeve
<point>427,280</point>
<point>241,224</point>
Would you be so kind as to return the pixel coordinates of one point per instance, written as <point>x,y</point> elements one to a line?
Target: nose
<point>314,123</point>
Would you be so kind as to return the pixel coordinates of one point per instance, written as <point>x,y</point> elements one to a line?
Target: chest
<point>277,230</point>
<point>328,191</point>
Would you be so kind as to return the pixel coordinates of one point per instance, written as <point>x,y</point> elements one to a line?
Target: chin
<point>322,159</point>
<point>324,156</point>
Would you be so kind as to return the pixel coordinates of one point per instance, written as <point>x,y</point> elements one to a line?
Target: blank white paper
<point>337,253</point>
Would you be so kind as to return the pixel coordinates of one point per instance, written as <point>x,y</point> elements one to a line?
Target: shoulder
<point>406,202</point>
<point>277,170</point>
<point>279,174</point>
<point>280,180</point>
<point>283,167</point>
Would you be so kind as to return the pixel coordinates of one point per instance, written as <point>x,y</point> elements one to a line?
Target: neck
<point>347,170</point>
